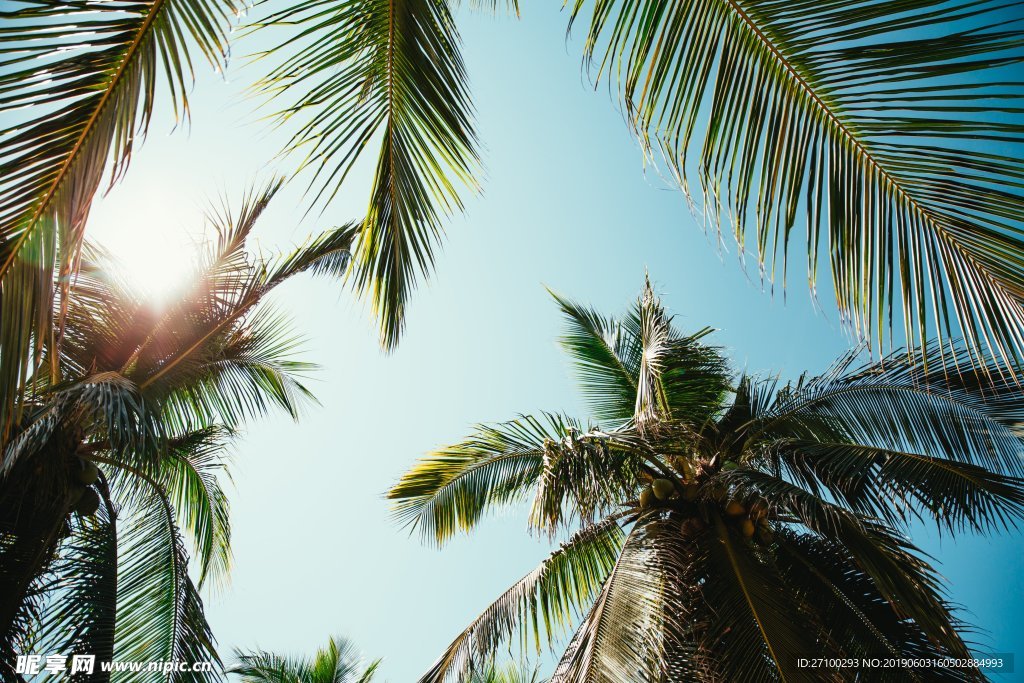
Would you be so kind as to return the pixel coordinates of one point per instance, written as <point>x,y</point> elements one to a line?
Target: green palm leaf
<point>79,82</point>
<point>363,70</point>
<point>622,637</point>
<point>861,621</point>
<point>191,472</point>
<point>640,366</point>
<point>81,618</point>
<point>553,592</point>
<point>338,662</point>
<point>160,613</point>
<point>450,490</point>
<point>900,151</point>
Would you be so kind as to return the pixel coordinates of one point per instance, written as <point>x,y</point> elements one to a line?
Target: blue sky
<point>566,203</point>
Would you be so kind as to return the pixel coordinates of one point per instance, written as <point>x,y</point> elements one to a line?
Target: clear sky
<point>566,203</point>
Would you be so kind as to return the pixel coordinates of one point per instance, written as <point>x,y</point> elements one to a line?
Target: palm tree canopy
<point>721,526</point>
<point>152,395</point>
<point>79,82</point>
<point>338,662</point>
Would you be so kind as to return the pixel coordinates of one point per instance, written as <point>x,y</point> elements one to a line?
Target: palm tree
<point>339,662</point>
<point>721,527</point>
<point>891,132</point>
<point>79,82</point>
<point>120,448</point>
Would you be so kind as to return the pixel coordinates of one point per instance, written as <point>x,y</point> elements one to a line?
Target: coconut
<point>684,467</point>
<point>663,489</point>
<point>89,503</point>
<point>747,527</point>
<point>735,509</point>
<point>88,473</point>
<point>729,466</point>
<point>690,492</point>
<point>759,509</point>
<point>646,497</point>
<point>765,534</point>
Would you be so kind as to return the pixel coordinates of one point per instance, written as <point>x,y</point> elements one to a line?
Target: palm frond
<point>908,582</point>
<point>897,484</point>
<point>338,662</point>
<point>238,374</point>
<point>641,366</point>
<point>78,85</point>
<point>561,586</point>
<point>160,613</point>
<point>899,149</point>
<point>752,633</point>
<point>80,616</point>
<point>606,358</point>
<point>622,638</point>
<point>191,472</point>
<point>451,489</point>
<point>960,412</point>
<point>363,70</point>
<point>861,622</point>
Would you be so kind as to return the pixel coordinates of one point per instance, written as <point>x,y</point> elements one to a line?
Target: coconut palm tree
<point>890,133</point>
<point>720,526</point>
<point>339,662</point>
<point>118,456</point>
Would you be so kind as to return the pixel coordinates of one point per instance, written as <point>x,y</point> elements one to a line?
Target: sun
<point>158,259</point>
<point>157,266</point>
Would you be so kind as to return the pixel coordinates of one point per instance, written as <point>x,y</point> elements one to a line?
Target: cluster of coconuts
<point>84,498</point>
<point>750,518</point>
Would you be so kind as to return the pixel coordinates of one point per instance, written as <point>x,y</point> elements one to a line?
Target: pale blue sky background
<point>565,203</point>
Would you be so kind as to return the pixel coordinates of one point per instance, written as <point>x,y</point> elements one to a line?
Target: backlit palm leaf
<point>892,130</point>
<point>362,71</point>
<point>78,85</point>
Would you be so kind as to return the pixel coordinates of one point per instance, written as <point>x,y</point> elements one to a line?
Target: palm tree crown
<point>338,662</point>
<point>722,527</point>
<point>118,458</point>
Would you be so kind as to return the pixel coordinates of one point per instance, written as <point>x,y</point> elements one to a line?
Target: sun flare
<point>158,261</point>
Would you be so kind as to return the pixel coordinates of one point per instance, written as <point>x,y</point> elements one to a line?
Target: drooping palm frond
<point>622,636</point>
<point>960,411</point>
<point>160,614</point>
<point>553,593</point>
<point>892,130</point>
<point>78,86</point>
<point>861,621</point>
<point>359,71</point>
<point>81,616</point>
<point>754,617</point>
<point>908,583</point>
<point>451,489</point>
<point>191,475</point>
